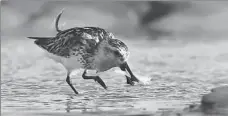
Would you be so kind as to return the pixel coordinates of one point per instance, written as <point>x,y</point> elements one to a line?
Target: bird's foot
<point>76,92</point>
<point>100,81</point>
<point>129,80</point>
<point>70,84</point>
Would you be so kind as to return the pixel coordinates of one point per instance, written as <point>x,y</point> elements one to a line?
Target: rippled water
<point>172,75</point>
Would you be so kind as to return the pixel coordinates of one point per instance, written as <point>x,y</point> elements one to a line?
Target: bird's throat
<point>106,64</point>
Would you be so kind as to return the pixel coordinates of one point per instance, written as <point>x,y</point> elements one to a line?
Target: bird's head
<point>112,53</point>
<point>118,50</point>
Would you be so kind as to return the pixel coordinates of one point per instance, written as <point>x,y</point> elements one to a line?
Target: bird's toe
<point>129,81</point>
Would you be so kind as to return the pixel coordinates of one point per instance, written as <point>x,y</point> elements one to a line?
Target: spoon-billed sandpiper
<point>90,48</point>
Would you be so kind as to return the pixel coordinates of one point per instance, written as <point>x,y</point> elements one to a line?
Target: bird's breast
<point>70,63</point>
<point>105,64</point>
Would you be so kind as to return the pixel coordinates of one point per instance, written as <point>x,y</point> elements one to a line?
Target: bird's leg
<point>125,67</point>
<point>70,84</point>
<point>96,78</point>
<point>129,81</point>
<point>133,78</point>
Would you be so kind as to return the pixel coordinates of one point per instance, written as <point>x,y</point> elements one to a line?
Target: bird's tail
<point>45,40</point>
<point>42,41</point>
<point>40,38</point>
<point>57,21</point>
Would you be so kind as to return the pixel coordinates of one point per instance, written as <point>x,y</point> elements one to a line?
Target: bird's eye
<point>117,53</point>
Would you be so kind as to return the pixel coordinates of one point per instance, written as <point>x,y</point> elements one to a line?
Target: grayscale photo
<point>114,58</point>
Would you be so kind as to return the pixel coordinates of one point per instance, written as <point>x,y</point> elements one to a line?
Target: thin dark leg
<point>96,78</point>
<point>129,81</point>
<point>125,67</point>
<point>69,83</point>
<point>133,78</point>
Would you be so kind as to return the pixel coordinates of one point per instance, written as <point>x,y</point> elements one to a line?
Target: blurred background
<point>171,20</point>
<point>179,51</point>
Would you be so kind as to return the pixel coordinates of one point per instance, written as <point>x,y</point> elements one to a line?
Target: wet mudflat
<point>172,77</point>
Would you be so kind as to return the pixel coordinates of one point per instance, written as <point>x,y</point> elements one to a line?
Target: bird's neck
<point>102,60</point>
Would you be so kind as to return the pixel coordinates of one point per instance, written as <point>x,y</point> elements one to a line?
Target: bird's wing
<point>69,42</point>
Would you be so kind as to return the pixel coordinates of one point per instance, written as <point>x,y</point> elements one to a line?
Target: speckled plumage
<point>76,41</point>
<point>90,48</point>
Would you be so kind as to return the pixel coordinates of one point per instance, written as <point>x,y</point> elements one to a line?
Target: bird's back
<point>85,39</point>
<point>78,43</point>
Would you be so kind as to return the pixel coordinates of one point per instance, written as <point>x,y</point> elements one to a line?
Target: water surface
<point>177,75</point>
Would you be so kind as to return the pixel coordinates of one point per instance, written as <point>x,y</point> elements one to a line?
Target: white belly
<point>69,63</point>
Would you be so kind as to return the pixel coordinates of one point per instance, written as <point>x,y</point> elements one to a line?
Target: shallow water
<point>176,75</point>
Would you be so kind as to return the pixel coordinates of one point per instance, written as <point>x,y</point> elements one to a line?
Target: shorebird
<point>89,48</point>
